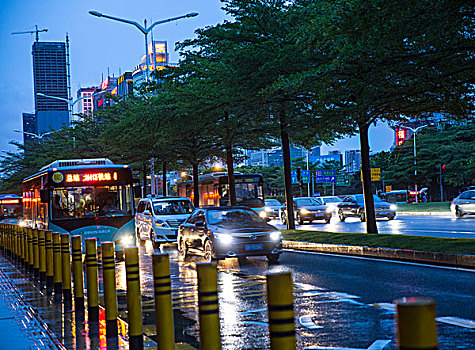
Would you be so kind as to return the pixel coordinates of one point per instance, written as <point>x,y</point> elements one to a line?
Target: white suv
<point>157,218</point>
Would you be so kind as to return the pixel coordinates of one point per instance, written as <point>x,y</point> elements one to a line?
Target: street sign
<point>375,174</point>
<point>325,176</point>
<point>305,176</point>
<point>389,188</point>
<point>293,176</point>
<point>343,180</point>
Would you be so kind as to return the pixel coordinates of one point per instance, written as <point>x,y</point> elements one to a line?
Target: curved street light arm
<point>55,97</point>
<point>193,14</point>
<point>139,27</point>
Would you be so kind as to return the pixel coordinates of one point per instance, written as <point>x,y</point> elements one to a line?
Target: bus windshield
<point>91,201</point>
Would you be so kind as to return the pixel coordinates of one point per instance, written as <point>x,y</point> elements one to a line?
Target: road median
<point>439,251</point>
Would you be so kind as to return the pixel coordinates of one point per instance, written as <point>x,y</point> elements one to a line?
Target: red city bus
<point>11,208</point>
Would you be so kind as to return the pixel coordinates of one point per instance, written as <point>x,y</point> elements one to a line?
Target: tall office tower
<point>50,78</point>
<point>30,126</point>
<point>353,160</point>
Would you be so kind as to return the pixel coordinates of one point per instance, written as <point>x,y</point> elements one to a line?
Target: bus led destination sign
<point>91,177</point>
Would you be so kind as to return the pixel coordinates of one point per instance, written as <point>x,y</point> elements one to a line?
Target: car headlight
<point>224,238</point>
<point>393,207</point>
<point>22,224</point>
<point>161,223</point>
<point>330,209</point>
<point>275,235</point>
<point>268,209</point>
<point>304,211</point>
<point>127,240</point>
<point>262,214</point>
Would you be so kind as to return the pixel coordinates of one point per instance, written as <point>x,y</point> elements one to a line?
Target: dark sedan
<point>354,206</point>
<point>464,204</point>
<point>271,209</point>
<point>227,232</point>
<point>307,209</point>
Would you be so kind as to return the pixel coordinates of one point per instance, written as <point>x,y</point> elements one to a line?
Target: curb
<point>456,260</point>
<point>437,213</point>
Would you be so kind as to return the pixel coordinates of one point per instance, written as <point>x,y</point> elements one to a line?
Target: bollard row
<point>46,257</point>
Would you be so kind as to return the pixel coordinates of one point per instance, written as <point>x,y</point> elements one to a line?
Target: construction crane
<point>36,31</point>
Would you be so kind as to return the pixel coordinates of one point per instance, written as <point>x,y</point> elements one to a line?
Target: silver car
<point>463,204</point>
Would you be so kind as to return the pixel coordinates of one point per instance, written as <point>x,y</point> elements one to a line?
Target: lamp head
<point>95,13</point>
<point>193,14</point>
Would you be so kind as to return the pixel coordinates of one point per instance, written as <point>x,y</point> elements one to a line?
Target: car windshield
<point>233,216</point>
<point>272,202</point>
<point>360,198</point>
<point>331,199</point>
<point>306,201</point>
<point>172,207</point>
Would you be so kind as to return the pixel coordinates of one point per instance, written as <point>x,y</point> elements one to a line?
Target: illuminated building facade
<point>353,160</point>
<point>50,78</point>
<point>125,86</point>
<point>109,85</point>
<point>158,59</point>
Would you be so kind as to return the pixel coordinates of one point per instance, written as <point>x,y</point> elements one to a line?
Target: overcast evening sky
<point>98,45</point>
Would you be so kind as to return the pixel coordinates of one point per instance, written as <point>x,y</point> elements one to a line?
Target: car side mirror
<point>146,212</point>
<point>199,224</point>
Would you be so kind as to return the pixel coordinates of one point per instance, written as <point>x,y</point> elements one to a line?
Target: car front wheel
<point>282,219</point>
<point>208,254</point>
<point>299,219</point>
<point>458,213</point>
<point>362,216</point>
<point>341,216</point>
<point>182,249</point>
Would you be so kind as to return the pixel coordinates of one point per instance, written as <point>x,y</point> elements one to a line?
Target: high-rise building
<point>125,86</point>
<point>353,160</point>
<point>86,102</point>
<point>109,86</point>
<point>29,126</point>
<point>50,78</point>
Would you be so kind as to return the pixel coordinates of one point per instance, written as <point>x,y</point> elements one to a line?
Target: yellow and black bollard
<point>24,247</point>
<point>134,298</point>
<point>163,301</point>
<point>280,303</point>
<point>78,277</point>
<point>57,264</point>
<point>92,280</point>
<point>42,254</point>
<point>30,250</point>
<point>210,336</point>
<point>66,266</point>
<point>416,326</point>
<point>15,243</point>
<point>49,260</point>
<point>110,289</point>
<point>36,255</point>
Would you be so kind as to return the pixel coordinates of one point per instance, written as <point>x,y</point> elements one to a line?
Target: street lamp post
<point>414,131</point>
<point>39,137</point>
<point>144,29</point>
<point>70,101</point>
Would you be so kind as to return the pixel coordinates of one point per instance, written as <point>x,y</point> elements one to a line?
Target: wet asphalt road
<point>417,225</point>
<point>340,302</point>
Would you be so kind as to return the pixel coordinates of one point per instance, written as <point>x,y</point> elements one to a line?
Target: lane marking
<point>382,260</point>
<point>457,321</point>
<point>252,312</point>
<point>256,323</point>
<point>307,322</point>
<point>377,345</point>
<point>386,306</point>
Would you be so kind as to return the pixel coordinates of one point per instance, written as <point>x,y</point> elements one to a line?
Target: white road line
<point>307,322</point>
<point>256,323</point>
<point>457,321</point>
<point>385,306</point>
<point>382,260</point>
<point>377,345</point>
<point>252,312</point>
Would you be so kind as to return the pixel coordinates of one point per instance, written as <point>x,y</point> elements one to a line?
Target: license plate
<point>382,213</point>
<point>254,246</point>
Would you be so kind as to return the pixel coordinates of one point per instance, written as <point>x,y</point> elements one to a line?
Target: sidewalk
<point>440,213</point>
<point>21,326</point>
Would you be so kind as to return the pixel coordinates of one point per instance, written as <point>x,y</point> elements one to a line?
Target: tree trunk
<point>164,170</point>
<point>231,182</point>
<point>287,177</point>
<point>366,175</point>
<point>196,193</point>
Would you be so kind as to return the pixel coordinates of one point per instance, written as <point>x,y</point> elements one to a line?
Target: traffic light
<point>299,178</point>
<point>443,168</point>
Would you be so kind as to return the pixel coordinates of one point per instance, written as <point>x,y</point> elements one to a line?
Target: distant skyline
<point>99,46</point>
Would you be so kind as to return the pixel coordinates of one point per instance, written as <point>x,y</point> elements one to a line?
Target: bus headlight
<point>275,236</point>
<point>393,207</point>
<point>224,238</point>
<point>127,240</point>
<point>22,223</point>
